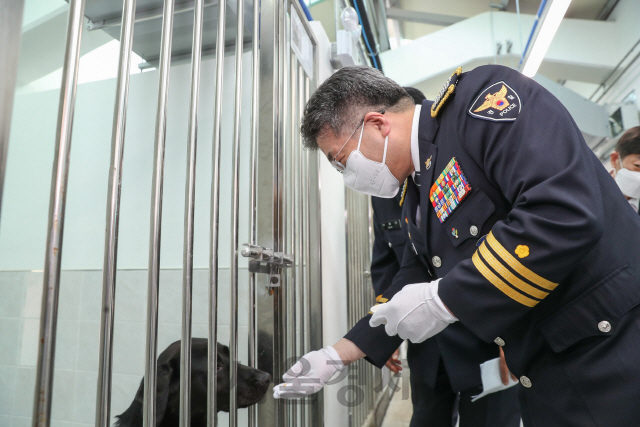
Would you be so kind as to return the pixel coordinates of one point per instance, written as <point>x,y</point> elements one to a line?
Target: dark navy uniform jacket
<point>386,259</point>
<point>536,248</point>
<point>461,350</point>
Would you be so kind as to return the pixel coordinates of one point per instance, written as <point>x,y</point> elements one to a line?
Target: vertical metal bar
<point>103,396</point>
<point>304,221</point>
<point>190,194</point>
<point>255,96</point>
<point>296,216</point>
<point>150,376</point>
<point>212,381</point>
<point>280,294</point>
<point>10,34</point>
<point>350,267</point>
<point>233,398</point>
<point>53,254</point>
<point>290,58</point>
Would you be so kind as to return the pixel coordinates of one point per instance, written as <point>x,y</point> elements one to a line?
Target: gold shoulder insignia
<point>446,91</point>
<point>404,192</point>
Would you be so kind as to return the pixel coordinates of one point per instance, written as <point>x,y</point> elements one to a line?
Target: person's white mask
<point>629,182</point>
<point>366,176</point>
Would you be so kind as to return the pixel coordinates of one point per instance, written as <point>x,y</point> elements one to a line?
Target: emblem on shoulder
<point>446,91</point>
<point>498,103</point>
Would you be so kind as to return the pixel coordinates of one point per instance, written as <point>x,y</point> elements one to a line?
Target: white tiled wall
<point>77,344</point>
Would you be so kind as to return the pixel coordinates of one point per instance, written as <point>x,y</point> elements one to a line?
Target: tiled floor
<point>399,412</point>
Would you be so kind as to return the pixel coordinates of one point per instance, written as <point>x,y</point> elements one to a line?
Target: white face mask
<point>629,182</point>
<point>366,176</point>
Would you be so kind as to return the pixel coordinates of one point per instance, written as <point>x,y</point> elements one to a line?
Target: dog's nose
<point>263,378</point>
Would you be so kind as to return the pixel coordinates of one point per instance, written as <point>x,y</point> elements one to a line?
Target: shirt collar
<point>415,147</point>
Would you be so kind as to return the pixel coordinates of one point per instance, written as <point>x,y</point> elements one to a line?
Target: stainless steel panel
<point>55,228</point>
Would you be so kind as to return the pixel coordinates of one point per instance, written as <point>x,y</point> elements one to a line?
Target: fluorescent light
<point>548,30</point>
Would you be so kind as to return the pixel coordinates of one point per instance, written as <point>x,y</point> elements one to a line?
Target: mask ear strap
<point>360,139</point>
<point>384,156</point>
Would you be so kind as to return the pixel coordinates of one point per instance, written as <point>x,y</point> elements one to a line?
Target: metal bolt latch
<point>265,260</point>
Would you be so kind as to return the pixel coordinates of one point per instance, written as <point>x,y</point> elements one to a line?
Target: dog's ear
<point>163,388</point>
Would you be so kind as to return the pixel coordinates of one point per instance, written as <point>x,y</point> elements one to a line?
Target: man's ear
<point>615,160</point>
<point>380,121</point>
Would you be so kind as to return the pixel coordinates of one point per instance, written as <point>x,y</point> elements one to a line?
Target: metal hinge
<point>265,260</point>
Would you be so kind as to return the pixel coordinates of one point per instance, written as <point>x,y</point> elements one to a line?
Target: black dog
<point>252,385</point>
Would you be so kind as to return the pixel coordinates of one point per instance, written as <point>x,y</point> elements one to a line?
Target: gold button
<point>525,381</point>
<point>499,341</point>
<point>437,262</point>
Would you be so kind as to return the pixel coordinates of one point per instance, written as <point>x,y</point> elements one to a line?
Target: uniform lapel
<point>428,129</point>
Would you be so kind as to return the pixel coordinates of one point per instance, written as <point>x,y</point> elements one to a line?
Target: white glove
<point>415,313</point>
<point>309,374</point>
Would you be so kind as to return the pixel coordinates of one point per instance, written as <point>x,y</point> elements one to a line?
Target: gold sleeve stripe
<point>517,266</point>
<point>511,278</point>
<point>495,280</point>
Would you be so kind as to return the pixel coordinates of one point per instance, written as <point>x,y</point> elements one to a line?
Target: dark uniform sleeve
<point>541,165</point>
<point>384,262</point>
<point>374,342</point>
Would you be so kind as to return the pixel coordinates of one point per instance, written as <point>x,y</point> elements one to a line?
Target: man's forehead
<point>327,139</point>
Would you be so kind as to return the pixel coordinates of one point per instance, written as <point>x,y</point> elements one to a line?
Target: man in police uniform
<point>522,235</point>
<point>440,368</point>
<point>432,394</point>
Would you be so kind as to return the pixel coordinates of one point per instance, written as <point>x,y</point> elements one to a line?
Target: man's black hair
<point>416,94</point>
<point>629,143</point>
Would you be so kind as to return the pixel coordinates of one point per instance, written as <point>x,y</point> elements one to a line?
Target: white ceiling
<point>579,9</point>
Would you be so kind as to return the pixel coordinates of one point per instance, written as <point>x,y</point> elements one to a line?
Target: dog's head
<point>251,386</point>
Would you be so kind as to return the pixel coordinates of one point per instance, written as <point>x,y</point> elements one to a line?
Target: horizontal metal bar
<point>422,17</point>
<point>145,15</point>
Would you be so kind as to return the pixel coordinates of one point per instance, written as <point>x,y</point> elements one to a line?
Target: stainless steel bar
<point>279,11</point>
<point>11,12</point>
<point>189,209</point>
<point>233,344</point>
<point>285,186</point>
<point>53,254</point>
<point>255,97</point>
<point>304,297</point>
<point>212,381</point>
<point>146,15</point>
<point>296,217</point>
<point>150,376</point>
<point>291,229</point>
<point>103,396</point>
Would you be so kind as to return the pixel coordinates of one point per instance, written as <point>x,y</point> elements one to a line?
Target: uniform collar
<point>415,146</point>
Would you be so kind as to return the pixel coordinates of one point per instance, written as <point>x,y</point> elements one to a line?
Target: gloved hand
<point>415,313</point>
<point>309,374</point>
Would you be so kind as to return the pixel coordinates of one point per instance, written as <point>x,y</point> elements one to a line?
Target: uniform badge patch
<point>499,103</point>
<point>450,188</point>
